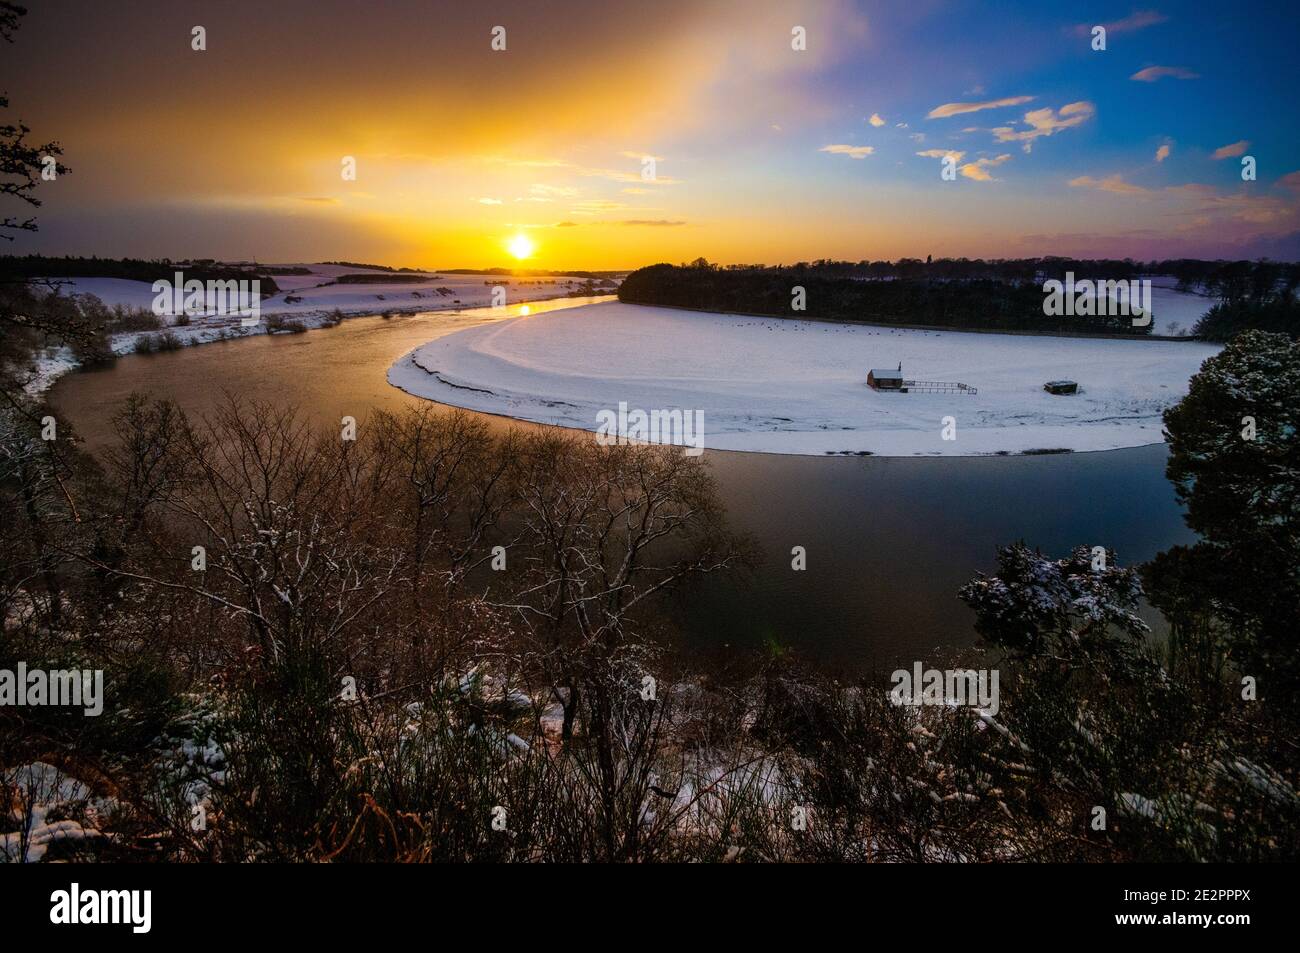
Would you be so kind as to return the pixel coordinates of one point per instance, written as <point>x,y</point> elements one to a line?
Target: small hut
<point>1061,387</point>
<point>885,379</point>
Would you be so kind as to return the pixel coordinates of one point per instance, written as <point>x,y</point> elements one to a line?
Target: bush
<point>123,320</point>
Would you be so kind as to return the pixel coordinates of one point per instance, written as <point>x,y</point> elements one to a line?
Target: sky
<point>613,135</point>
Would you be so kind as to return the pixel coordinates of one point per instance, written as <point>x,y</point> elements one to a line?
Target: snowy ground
<point>315,298</point>
<point>1175,311</point>
<point>787,386</point>
<point>315,302</point>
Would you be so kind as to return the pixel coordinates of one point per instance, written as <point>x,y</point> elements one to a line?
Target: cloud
<point>489,201</point>
<point>1153,73</point>
<point>549,192</point>
<point>593,206</point>
<point>319,199</point>
<point>978,170</point>
<point>656,222</point>
<point>1163,152</point>
<point>1114,184</point>
<point>875,120</point>
<point>956,109</point>
<point>1046,122</point>
<point>853,152</point>
<point>1216,209</point>
<point>614,175</point>
<point>566,224</point>
<point>1290,181</point>
<point>942,153</point>
<point>1196,220</point>
<point>1139,20</point>
<point>1233,149</point>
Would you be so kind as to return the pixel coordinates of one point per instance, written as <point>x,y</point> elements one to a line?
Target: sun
<point>521,246</point>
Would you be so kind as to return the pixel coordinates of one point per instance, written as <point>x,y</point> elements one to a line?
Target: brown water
<point>888,540</point>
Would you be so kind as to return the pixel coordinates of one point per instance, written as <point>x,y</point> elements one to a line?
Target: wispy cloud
<point>1163,152</point>
<point>1114,183</point>
<point>613,175</point>
<point>489,201</point>
<point>942,154</point>
<point>548,192</point>
<point>1230,150</point>
<point>957,109</point>
<point>1153,73</point>
<point>594,206</point>
<point>876,120</point>
<point>633,222</point>
<point>1138,20</point>
<point>1046,122</point>
<point>617,175</point>
<point>853,152</point>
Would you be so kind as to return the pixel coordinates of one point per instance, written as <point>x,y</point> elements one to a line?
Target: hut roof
<point>886,374</point>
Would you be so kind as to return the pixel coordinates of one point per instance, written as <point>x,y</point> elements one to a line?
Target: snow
<point>40,790</point>
<point>1176,311</point>
<point>49,365</point>
<point>786,386</point>
<point>319,298</point>
<point>319,302</point>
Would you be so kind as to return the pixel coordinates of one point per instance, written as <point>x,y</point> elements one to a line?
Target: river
<point>888,540</point>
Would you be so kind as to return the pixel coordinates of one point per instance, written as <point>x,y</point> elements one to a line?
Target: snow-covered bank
<point>785,386</point>
<point>305,302</point>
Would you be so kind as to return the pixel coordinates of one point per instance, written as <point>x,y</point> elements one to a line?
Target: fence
<point>938,387</point>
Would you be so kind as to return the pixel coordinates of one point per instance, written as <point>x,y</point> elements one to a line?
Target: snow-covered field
<point>314,297</point>
<point>314,304</point>
<point>787,386</point>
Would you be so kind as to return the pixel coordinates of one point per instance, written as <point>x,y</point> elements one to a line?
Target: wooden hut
<point>885,379</point>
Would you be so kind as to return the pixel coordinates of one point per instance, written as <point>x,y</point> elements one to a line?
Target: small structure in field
<point>1061,387</point>
<point>885,379</point>
<point>878,379</point>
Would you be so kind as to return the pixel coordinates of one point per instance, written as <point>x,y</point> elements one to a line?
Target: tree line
<point>974,303</point>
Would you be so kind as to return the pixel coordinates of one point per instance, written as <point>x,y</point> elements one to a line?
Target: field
<point>785,386</point>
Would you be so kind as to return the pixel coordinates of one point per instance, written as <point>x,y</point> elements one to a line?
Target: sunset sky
<point>762,153</point>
